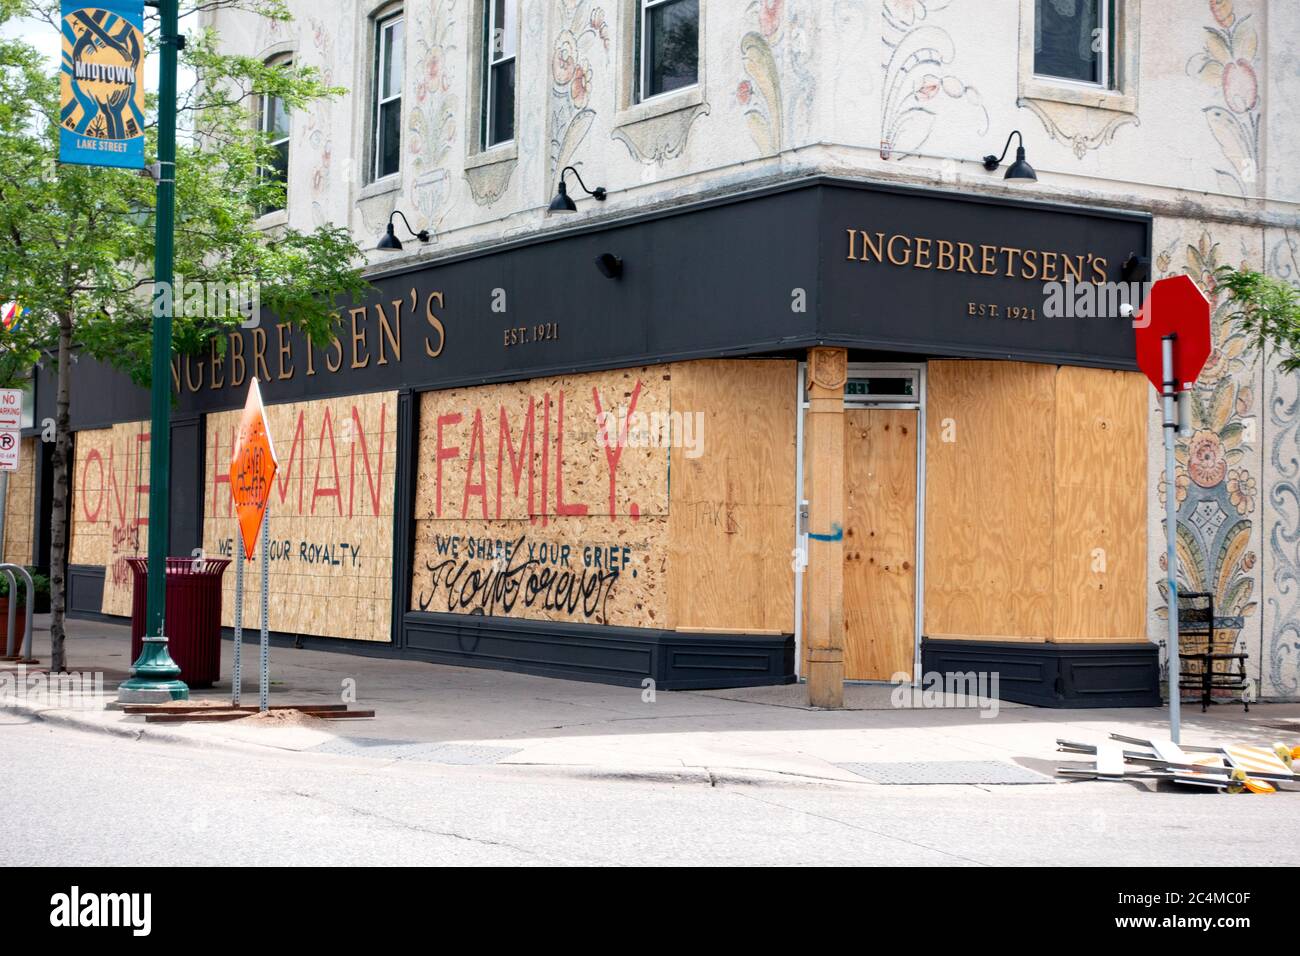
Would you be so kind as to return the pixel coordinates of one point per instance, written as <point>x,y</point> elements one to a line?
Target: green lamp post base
<point>155,677</point>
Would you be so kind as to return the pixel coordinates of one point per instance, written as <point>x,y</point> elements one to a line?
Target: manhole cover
<point>463,754</point>
<point>946,771</point>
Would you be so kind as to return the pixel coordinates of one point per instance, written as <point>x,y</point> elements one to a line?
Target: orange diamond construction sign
<point>252,469</point>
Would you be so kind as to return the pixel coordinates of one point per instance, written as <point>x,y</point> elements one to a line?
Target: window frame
<point>264,114</point>
<point>488,87</point>
<point>1108,17</point>
<point>384,21</point>
<point>1121,98</point>
<point>641,66</point>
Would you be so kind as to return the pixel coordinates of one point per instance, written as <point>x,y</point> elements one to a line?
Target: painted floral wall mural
<point>920,84</point>
<point>585,32</point>
<point>1228,64</point>
<point>1217,473</point>
<point>432,127</point>
<point>778,89</point>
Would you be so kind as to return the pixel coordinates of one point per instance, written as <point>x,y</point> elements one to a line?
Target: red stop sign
<point>1175,306</point>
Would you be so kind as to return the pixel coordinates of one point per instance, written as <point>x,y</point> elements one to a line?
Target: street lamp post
<point>155,676</point>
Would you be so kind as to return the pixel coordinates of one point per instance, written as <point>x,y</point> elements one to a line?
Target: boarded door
<point>879,542</point>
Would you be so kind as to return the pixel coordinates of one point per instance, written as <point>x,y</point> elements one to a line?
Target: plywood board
<point>331,517</point>
<point>1100,508</point>
<point>20,507</point>
<point>569,475</point>
<point>989,499</point>
<point>110,519</point>
<point>880,449</point>
<point>732,496</point>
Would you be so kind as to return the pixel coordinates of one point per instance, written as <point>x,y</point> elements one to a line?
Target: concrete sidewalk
<point>485,716</point>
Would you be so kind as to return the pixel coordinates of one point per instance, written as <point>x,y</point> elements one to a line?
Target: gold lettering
<point>435,323</point>
<point>923,249</point>
<point>358,338</point>
<point>176,373</point>
<point>236,359</point>
<point>851,256</point>
<point>945,256</point>
<point>988,260</point>
<point>285,348</point>
<point>890,249</point>
<point>216,361</point>
<point>1049,267</point>
<point>259,354</point>
<point>386,332</point>
<point>1099,269</point>
<point>1073,268</point>
<point>876,249</point>
<point>192,385</point>
<point>338,350</point>
<point>965,257</point>
<point>1029,270</point>
<point>1011,253</point>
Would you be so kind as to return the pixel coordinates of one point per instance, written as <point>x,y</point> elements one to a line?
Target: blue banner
<point>101,109</point>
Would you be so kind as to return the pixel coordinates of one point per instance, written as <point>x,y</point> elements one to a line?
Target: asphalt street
<point>99,799</point>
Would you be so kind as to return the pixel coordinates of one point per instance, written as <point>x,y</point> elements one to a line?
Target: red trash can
<point>193,616</point>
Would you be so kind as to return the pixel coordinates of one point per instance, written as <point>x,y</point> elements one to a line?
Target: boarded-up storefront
<point>330,513</point>
<point>110,506</point>
<point>648,497</point>
<point>20,507</point>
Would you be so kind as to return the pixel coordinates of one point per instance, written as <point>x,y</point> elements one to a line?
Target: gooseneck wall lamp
<point>1019,171</point>
<point>390,242</point>
<point>563,202</point>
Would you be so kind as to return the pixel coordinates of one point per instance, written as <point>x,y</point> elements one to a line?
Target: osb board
<point>990,436</point>
<point>110,506</point>
<point>731,525</point>
<point>330,513</point>
<point>488,431</point>
<point>1100,509</point>
<point>20,506</point>
<point>592,571</point>
<point>880,447</point>
<point>529,465</point>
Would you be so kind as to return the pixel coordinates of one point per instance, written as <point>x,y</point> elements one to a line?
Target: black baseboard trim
<point>1055,675</point>
<point>624,656</point>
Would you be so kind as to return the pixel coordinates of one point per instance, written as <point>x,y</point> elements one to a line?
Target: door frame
<point>800,551</point>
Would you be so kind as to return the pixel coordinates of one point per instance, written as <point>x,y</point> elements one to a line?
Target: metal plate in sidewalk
<point>945,771</point>
<point>380,749</point>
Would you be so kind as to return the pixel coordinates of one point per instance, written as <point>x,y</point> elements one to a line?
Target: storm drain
<point>463,754</point>
<point>945,771</point>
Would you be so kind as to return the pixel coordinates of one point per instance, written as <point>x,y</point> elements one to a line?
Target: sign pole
<point>155,676</point>
<point>1169,394</point>
<point>237,677</point>
<point>266,650</point>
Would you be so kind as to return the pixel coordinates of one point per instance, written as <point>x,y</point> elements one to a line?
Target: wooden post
<point>827,370</point>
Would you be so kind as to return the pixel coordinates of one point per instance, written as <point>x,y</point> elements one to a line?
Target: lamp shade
<point>390,242</point>
<point>1021,170</point>
<point>562,201</point>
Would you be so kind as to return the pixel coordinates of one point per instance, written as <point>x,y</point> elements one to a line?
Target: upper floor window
<point>273,123</point>
<point>386,127</point>
<point>668,46</point>
<point>500,28</point>
<point>1075,40</point>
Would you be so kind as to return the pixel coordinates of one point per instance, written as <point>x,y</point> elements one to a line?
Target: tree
<point>80,241</point>
<point>1269,312</point>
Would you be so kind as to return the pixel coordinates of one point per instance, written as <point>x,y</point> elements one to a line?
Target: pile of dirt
<point>280,718</point>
